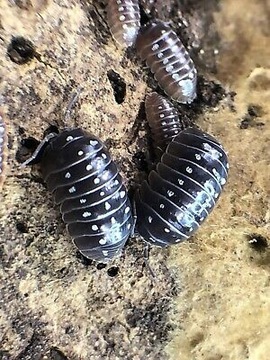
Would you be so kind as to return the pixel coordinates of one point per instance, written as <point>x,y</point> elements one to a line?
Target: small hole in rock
<point>21,227</point>
<point>119,86</point>
<point>57,354</point>
<point>20,50</point>
<point>101,266</point>
<point>113,271</point>
<point>30,143</point>
<point>257,242</point>
<point>51,129</point>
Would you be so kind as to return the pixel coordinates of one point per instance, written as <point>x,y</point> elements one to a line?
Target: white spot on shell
<point>150,219</point>
<point>107,206</point>
<point>89,167</point>
<point>72,189</point>
<point>69,138</point>
<point>122,194</point>
<point>222,181</point>
<point>155,47</point>
<point>198,156</point>
<point>122,17</point>
<point>80,152</point>
<point>127,210</point>
<point>82,201</point>
<point>189,170</point>
<point>169,68</point>
<point>102,193</point>
<point>104,156</point>
<point>96,181</point>
<point>113,221</point>
<point>105,252</point>
<point>180,182</point>
<point>166,230</point>
<point>161,116</point>
<point>170,193</point>
<point>162,206</point>
<point>93,142</point>
<point>86,214</point>
<point>165,61</point>
<point>94,227</point>
<point>176,76</point>
<point>68,175</point>
<point>102,241</point>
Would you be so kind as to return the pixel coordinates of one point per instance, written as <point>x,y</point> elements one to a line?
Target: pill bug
<point>169,61</point>
<point>3,145</point>
<point>86,183</point>
<point>124,20</point>
<point>183,189</point>
<point>163,120</point>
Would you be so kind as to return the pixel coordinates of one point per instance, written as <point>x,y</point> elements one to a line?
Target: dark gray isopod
<point>163,120</point>
<point>183,189</point>
<point>169,61</point>
<point>3,149</point>
<point>124,20</point>
<point>93,200</point>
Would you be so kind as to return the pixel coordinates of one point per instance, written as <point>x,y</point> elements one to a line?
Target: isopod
<point>124,21</point>
<point>3,145</point>
<point>86,183</point>
<point>163,120</point>
<point>169,61</point>
<point>183,189</point>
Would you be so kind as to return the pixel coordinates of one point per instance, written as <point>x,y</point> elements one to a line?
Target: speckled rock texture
<point>210,298</point>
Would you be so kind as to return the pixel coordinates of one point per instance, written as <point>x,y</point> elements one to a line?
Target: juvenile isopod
<point>124,21</point>
<point>183,189</point>
<point>86,183</point>
<point>169,61</point>
<point>163,120</point>
<point>3,149</point>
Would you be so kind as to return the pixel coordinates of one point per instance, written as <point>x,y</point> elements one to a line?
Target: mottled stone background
<point>211,296</point>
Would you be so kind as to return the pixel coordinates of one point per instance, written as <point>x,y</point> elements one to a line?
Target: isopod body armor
<point>93,200</point>
<point>124,20</point>
<point>163,120</point>
<point>3,148</point>
<point>183,189</point>
<point>169,61</point>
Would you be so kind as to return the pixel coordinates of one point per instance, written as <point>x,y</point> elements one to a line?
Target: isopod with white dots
<point>183,189</point>
<point>3,149</point>
<point>169,61</point>
<point>163,120</point>
<point>124,21</point>
<point>86,183</point>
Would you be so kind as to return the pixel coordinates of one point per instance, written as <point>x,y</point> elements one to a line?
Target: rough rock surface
<point>210,298</point>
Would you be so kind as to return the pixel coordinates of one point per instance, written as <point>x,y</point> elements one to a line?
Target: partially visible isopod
<point>124,20</point>
<point>148,5</point>
<point>3,148</point>
<point>86,183</point>
<point>163,120</point>
<point>183,189</point>
<point>168,60</point>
